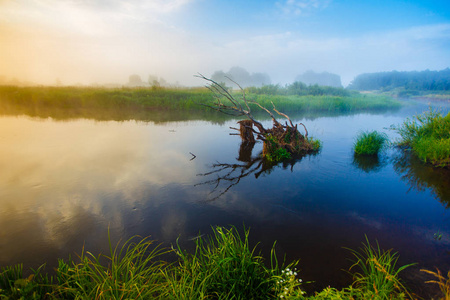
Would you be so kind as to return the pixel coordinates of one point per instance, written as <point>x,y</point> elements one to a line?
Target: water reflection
<point>422,177</point>
<point>369,163</point>
<point>228,175</point>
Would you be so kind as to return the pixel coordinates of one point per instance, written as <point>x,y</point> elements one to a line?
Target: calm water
<point>64,183</point>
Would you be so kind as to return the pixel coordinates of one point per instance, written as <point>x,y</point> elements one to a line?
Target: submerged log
<point>280,141</point>
<point>246,131</point>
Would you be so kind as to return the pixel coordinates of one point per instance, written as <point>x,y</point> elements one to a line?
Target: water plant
<point>224,266</point>
<point>428,136</point>
<point>370,143</point>
<point>442,281</point>
<point>378,275</point>
<point>131,271</point>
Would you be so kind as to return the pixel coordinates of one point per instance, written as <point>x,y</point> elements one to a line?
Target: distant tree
<point>153,80</point>
<point>242,76</point>
<point>323,79</point>
<point>135,80</point>
<point>260,79</point>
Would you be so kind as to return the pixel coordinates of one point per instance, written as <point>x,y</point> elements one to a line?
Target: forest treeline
<point>301,89</point>
<point>407,81</point>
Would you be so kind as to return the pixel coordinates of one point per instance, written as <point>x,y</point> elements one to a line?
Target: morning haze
<point>104,42</point>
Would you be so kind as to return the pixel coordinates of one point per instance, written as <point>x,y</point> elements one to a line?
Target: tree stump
<point>246,131</point>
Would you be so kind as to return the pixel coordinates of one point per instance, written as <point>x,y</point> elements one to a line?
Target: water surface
<point>63,184</point>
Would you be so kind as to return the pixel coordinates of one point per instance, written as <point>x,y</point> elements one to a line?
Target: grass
<point>378,275</point>
<point>104,103</point>
<point>370,143</point>
<point>442,281</point>
<point>222,266</point>
<point>428,136</point>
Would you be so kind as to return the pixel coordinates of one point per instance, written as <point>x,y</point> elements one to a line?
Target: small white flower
<point>299,280</point>
<point>281,296</point>
<point>295,273</point>
<point>287,269</point>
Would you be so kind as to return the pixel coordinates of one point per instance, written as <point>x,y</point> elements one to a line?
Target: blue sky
<point>105,41</point>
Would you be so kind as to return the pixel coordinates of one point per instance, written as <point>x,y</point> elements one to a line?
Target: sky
<point>106,41</point>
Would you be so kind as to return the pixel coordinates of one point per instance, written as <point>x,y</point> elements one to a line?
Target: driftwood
<point>280,141</point>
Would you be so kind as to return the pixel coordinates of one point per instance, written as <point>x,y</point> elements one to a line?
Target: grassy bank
<point>88,102</point>
<point>222,266</point>
<point>427,136</point>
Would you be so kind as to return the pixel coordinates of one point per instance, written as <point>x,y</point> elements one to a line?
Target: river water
<point>64,184</point>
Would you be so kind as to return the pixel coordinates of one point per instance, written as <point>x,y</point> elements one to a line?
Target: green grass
<point>428,136</point>
<point>378,276</point>
<point>104,103</point>
<point>370,143</point>
<point>222,266</point>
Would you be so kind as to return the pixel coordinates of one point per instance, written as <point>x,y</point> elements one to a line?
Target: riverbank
<point>140,103</point>
<point>223,266</point>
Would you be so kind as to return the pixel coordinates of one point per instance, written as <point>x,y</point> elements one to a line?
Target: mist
<point>104,42</point>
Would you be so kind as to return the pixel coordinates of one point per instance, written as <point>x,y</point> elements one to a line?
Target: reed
<point>369,143</point>
<point>132,271</point>
<point>378,276</point>
<point>32,99</point>
<point>428,136</point>
<point>224,266</point>
<point>442,281</point>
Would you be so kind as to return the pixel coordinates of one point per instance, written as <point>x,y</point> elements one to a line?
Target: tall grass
<point>83,99</point>
<point>222,266</point>
<point>132,271</point>
<point>378,274</point>
<point>442,281</point>
<point>428,136</point>
<point>370,143</point>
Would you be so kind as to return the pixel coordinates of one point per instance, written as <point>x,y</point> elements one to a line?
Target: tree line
<point>411,81</point>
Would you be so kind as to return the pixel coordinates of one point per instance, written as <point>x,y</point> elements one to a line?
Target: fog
<point>104,42</point>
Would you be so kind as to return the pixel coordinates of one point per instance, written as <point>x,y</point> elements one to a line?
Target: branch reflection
<point>228,175</point>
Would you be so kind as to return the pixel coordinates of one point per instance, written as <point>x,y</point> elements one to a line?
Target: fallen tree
<point>282,141</point>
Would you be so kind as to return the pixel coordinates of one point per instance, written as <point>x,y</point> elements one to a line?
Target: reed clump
<point>428,136</point>
<point>370,143</point>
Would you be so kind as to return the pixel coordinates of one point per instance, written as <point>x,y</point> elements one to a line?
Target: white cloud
<point>301,7</point>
